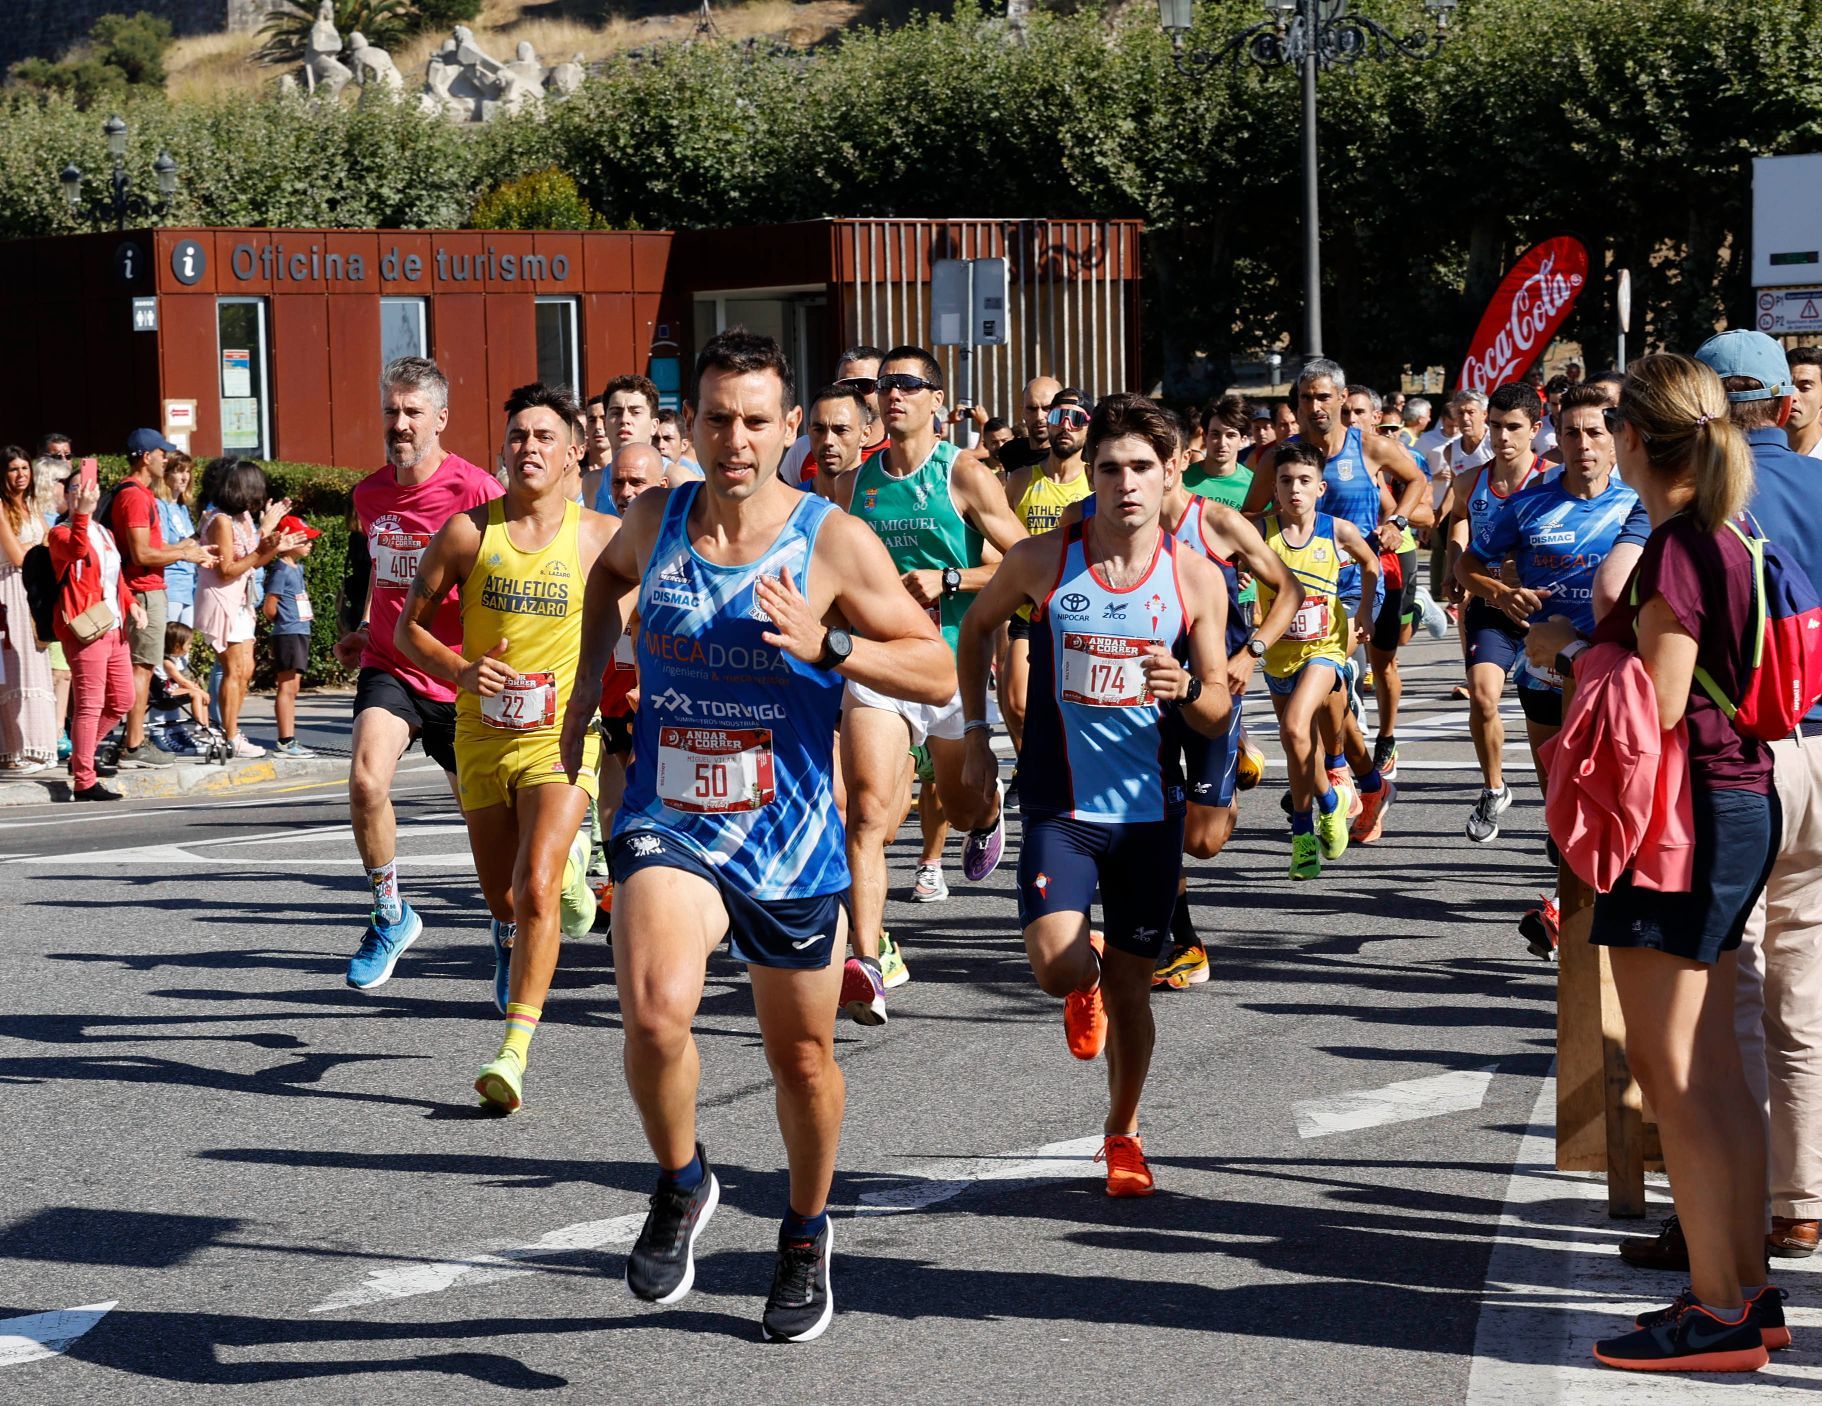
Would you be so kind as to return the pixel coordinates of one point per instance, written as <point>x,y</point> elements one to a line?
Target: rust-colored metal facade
<point>74,362</point>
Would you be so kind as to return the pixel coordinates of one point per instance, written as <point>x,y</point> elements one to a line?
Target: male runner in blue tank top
<point>1355,468</point>
<point>758,603</point>
<point>1115,596</point>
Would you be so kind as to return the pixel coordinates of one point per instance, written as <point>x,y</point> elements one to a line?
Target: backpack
<point>42,589</point>
<point>1786,632</point>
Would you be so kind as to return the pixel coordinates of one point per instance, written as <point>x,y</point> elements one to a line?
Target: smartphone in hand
<point>89,472</point>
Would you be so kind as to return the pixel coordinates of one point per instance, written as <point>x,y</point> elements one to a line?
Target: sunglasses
<point>904,381</point>
<point>860,385</point>
<point>1072,416</point>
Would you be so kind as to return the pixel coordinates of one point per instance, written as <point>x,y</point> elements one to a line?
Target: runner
<point>1115,596</point>
<point>1032,445</point>
<point>1556,532</point>
<point>631,408</point>
<point>397,510</point>
<point>520,564</point>
<point>1039,495</point>
<point>1492,640</point>
<point>598,445</point>
<point>840,422</point>
<point>1803,430</point>
<point>1304,668</point>
<point>933,507</point>
<point>756,602</point>
<point>857,370</point>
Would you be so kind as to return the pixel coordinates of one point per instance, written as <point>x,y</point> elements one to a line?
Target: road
<point>285,1192</point>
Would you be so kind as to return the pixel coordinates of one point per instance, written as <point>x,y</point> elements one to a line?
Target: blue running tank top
<point>733,740</point>
<point>1108,759</point>
<point>1192,532</point>
<point>1350,490</point>
<point>1484,501</point>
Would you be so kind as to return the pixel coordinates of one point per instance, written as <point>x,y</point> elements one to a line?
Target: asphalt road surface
<point>232,1178</point>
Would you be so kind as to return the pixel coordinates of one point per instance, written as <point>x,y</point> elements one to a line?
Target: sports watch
<point>837,646</point>
<point>952,580</point>
<point>1255,646</point>
<point>1400,521</point>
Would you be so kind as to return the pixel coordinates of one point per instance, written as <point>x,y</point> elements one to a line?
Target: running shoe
<point>1343,781</point>
<point>661,1266</point>
<point>1483,820</point>
<point>503,934</point>
<point>1249,770</point>
<point>1085,1017</point>
<point>501,1084</point>
<point>863,991</point>
<point>245,750</point>
<point>145,755</point>
<point>921,765</point>
<point>1012,786</point>
<point>1366,681</point>
<point>577,914</point>
<point>1306,857</point>
<point>931,886</point>
<point>381,947</point>
<point>1433,617</point>
<point>1128,1173</point>
<point>1766,1307</point>
<point>1692,1339</point>
<point>97,792</point>
<point>892,968</point>
<point>1385,757</point>
<point>981,850</point>
<point>1332,831</point>
<point>1369,825</point>
<point>1539,927</point>
<point>802,1301</point>
<point>293,748</point>
<point>1350,677</point>
<point>1185,966</point>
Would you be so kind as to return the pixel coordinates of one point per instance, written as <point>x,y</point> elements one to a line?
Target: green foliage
<point>444,14</point>
<point>121,52</point>
<point>546,199</point>
<point>380,22</point>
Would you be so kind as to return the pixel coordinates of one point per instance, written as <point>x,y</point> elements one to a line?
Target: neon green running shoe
<point>1306,857</point>
<point>892,968</point>
<point>1332,829</point>
<point>501,1084</point>
<point>577,913</point>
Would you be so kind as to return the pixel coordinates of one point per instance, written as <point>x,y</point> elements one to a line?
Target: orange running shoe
<point>1084,1015</point>
<point>1369,825</point>
<point>1128,1174</point>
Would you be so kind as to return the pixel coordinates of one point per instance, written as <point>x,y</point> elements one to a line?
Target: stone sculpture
<point>373,66</point>
<point>324,73</point>
<point>462,81</point>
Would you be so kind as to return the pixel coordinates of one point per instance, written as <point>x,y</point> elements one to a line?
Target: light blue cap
<point>1744,352</point>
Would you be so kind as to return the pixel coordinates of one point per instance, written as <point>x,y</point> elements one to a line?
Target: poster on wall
<point>236,373</point>
<point>239,422</point>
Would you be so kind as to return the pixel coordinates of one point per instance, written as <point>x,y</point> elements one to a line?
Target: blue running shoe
<point>503,934</point>
<point>381,948</point>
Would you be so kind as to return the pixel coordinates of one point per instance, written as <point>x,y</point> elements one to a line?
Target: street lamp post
<point>1314,35</point>
<point>118,200</point>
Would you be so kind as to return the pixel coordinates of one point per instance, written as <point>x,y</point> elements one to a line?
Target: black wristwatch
<point>1255,647</point>
<point>837,647</point>
<point>1565,659</point>
<point>952,580</point>
<point>1400,521</point>
<point>1192,693</point>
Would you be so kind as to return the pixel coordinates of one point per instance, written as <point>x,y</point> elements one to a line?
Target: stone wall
<point>45,28</point>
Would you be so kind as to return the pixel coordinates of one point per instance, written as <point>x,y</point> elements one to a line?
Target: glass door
<point>246,407</point>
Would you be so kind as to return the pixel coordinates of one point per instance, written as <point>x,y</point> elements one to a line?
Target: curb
<point>183,779</point>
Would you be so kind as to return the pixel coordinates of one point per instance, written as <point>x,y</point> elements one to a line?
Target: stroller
<point>172,729</point>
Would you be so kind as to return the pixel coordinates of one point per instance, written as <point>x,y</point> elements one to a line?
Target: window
<point>404,329</point>
<point>559,361</point>
<point>246,418</point>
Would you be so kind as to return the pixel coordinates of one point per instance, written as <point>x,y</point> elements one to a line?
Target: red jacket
<point>1618,797</point>
<point>78,565</point>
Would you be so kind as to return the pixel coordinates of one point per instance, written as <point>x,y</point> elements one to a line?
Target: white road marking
<point>41,1335</point>
<point>1402,1102</point>
<point>944,1179</point>
<point>1556,1283</point>
<point>482,1267</point>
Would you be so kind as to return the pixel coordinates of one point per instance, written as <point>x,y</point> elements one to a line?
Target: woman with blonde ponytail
<point>1690,604</point>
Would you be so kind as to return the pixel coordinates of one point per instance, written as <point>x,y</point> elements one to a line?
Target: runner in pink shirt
<point>397,510</point>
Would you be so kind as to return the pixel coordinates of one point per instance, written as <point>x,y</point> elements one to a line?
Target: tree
<point>546,199</point>
<point>121,52</point>
<point>382,23</point>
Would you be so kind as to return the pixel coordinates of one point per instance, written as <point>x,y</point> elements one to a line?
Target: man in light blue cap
<point>1778,1002</point>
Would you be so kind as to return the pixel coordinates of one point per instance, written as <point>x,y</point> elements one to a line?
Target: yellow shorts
<point>491,765</point>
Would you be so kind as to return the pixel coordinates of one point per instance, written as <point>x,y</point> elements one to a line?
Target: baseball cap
<point>1744,352</point>
<point>1261,411</point>
<point>292,523</point>
<point>145,441</point>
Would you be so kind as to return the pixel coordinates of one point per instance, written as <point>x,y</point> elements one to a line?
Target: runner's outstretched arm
<point>1405,480</point>
<point>1022,578</point>
<point>615,573</point>
<point>1348,538</point>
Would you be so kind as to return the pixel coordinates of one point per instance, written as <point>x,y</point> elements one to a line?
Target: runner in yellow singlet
<point>521,564</point>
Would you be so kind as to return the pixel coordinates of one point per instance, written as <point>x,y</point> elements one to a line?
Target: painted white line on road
<point>482,1267</point>
<point>1555,1283</point>
<point>41,1335</point>
<point>945,1179</point>
<point>176,857</point>
<point>1402,1102</point>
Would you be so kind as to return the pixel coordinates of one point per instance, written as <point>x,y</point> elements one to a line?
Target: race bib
<point>1544,675</point>
<point>714,770</point>
<point>625,657</point>
<point>527,703</point>
<point>304,612</point>
<point>1311,622</point>
<point>396,556</point>
<point>1102,671</point>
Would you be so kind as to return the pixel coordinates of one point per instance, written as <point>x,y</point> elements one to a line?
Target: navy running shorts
<point>794,933</point>
<point>1017,629</point>
<point>1286,686</point>
<point>1211,765</point>
<point>1543,706</point>
<point>1492,637</point>
<point>1136,868</point>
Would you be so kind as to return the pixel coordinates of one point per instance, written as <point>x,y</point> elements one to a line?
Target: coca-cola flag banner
<point>1531,302</point>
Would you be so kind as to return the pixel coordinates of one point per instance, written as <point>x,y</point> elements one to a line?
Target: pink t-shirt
<point>399,523</point>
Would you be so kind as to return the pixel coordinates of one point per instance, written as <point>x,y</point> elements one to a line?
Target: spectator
<point>135,520</point>
<point>91,608</point>
<point>56,445</point>
<point>177,525</point>
<point>28,723</point>
<point>1803,430</point>
<point>224,591</point>
<point>179,683</point>
<point>49,475</point>
<point>287,606</point>
<point>995,434</point>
